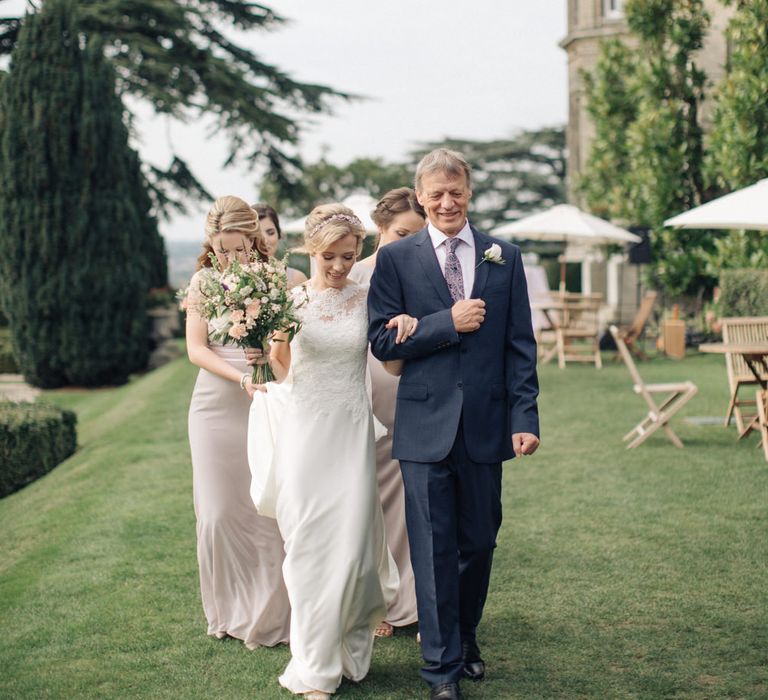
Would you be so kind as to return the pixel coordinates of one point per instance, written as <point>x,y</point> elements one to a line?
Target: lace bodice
<point>328,354</point>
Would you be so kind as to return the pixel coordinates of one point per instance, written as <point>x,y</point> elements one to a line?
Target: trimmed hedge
<point>34,438</point>
<point>7,360</point>
<point>743,293</point>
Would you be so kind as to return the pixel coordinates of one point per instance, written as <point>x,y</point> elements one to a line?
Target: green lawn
<point>619,574</point>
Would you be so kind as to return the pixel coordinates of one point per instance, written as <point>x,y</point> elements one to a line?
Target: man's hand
<point>524,443</point>
<point>467,315</point>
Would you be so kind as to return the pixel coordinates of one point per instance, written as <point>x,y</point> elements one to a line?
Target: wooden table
<point>756,357</point>
<point>571,318</point>
<point>754,354</point>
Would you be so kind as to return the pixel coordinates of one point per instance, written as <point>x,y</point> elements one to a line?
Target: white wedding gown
<point>321,477</point>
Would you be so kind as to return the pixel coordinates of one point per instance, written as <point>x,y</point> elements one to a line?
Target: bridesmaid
<point>240,553</point>
<point>396,215</point>
<point>271,233</point>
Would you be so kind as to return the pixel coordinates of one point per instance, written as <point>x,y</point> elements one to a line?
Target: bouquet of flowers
<point>246,304</point>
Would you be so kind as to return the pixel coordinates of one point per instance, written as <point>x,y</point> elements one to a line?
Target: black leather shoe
<point>446,691</point>
<point>474,666</point>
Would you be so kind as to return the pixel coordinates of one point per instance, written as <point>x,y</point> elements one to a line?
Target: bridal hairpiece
<point>336,217</point>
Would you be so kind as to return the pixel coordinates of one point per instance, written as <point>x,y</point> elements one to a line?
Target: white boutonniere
<point>493,255</point>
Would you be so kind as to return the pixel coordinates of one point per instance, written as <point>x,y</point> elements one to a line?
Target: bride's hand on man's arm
<point>405,325</point>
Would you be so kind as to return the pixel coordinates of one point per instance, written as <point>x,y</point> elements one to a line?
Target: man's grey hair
<point>445,161</point>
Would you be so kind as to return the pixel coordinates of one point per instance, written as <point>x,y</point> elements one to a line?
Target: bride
<point>338,571</point>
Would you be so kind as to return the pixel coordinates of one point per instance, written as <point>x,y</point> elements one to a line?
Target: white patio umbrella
<point>361,204</point>
<point>567,224</point>
<point>746,208</point>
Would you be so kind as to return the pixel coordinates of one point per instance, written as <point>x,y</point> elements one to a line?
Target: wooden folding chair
<point>761,402</point>
<point>747,329</point>
<point>631,334</point>
<point>677,395</point>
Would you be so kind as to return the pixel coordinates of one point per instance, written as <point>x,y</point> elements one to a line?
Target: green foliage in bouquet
<point>34,438</point>
<point>79,247</point>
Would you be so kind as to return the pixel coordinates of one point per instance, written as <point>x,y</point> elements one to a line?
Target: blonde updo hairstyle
<point>394,202</point>
<point>231,215</point>
<point>328,223</point>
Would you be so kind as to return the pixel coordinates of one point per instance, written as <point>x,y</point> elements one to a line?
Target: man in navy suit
<point>466,402</point>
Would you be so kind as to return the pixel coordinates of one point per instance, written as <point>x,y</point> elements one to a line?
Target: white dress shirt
<point>465,252</point>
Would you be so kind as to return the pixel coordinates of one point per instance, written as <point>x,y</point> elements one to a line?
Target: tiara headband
<point>336,217</point>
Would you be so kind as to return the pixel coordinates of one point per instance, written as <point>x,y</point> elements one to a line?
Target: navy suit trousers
<point>453,514</point>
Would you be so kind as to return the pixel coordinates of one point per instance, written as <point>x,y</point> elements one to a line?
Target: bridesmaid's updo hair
<point>231,215</point>
<point>394,202</point>
<point>329,223</point>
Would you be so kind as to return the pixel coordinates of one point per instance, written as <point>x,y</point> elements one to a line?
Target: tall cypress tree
<point>74,267</point>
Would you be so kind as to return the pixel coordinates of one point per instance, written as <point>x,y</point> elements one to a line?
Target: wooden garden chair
<point>631,334</point>
<point>761,401</point>
<point>676,395</point>
<point>748,329</point>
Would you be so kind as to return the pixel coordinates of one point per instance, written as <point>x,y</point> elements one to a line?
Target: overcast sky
<point>431,68</point>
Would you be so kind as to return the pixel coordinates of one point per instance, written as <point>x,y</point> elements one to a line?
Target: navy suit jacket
<point>486,378</point>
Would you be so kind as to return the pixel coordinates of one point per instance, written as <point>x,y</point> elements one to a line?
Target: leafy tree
<point>665,140</point>
<point>738,142</point>
<point>650,132</point>
<point>74,232</point>
<point>510,176</point>
<point>326,182</point>
<point>175,55</point>
<point>612,104</point>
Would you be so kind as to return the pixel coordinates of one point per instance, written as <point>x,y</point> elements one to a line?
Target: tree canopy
<point>510,177</point>
<point>738,142</point>
<point>326,182</point>
<point>651,157</point>
<point>646,162</point>
<point>177,56</point>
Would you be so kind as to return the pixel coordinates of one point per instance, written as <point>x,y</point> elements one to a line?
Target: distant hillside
<point>182,260</point>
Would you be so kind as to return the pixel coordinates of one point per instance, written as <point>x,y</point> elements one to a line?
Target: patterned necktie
<point>453,275</point>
